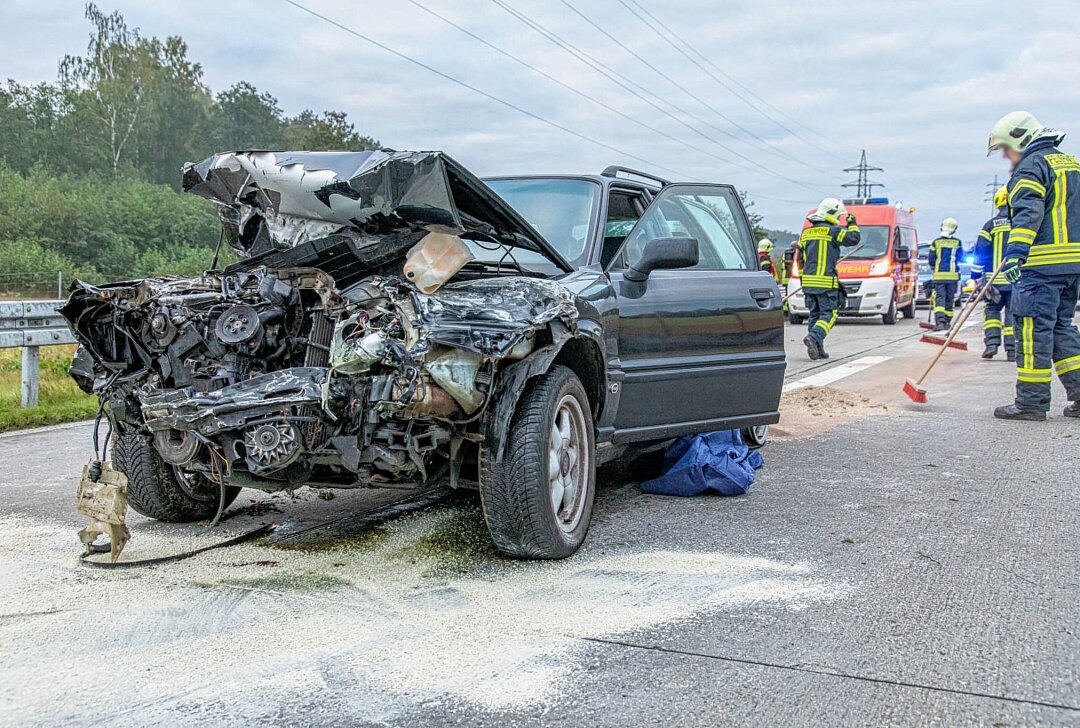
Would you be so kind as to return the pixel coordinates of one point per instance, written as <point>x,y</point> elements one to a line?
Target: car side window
<point>624,210</point>
<point>708,214</point>
<point>908,236</point>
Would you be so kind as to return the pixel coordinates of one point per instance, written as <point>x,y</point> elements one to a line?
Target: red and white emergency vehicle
<point>880,276</point>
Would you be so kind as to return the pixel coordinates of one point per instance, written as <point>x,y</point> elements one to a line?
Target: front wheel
<point>538,501</point>
<point>909,310</point>
<point>162,491</point>
<point>796,319</point>
<point>889,317</point>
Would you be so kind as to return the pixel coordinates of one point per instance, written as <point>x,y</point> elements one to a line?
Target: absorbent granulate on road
<point>813,410</point>
<point>422,610</point>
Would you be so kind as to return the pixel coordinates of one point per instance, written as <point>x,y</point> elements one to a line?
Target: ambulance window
<point>908,236</point>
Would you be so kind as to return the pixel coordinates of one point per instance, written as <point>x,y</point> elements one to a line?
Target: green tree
<point>108,87</point>
<point>332,130</point>
<point>243,118</point>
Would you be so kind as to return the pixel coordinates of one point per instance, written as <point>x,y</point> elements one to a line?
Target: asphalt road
<point>893,565</point>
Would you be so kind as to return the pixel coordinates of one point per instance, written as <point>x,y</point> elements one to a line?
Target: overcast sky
<point>917,84</point>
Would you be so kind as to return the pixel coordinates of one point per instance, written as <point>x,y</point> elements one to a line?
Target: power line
<point>863,186</point>
<point>565,85</point>
<point>476,90</point>
<point>991,192</point>
<point>768,146</point>
<point>628,85</point>
<point>747,89</point>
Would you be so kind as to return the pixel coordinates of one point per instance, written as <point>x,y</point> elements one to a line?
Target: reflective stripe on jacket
<point>1044,204</point>
<point>944,258</point>
<point>819,251</point>
<point>990,247</point>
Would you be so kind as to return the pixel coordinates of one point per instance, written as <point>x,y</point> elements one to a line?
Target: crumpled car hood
<point>279,200</point>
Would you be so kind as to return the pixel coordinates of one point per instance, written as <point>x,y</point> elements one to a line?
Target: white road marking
<point>836,373</point>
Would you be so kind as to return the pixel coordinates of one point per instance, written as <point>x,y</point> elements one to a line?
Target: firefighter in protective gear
<point>819,251</point>
<point>1042,261</point>
<point>944,262</point>
<point>764,254</point>
<point>989,252</point>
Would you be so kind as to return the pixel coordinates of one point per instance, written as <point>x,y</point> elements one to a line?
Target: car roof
<point>599,179</point>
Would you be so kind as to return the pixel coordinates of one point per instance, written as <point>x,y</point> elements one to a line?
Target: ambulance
<point>879,276</point>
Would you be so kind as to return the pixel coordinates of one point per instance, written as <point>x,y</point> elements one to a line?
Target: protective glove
<point>851,219</point>
<point>1011,271</point>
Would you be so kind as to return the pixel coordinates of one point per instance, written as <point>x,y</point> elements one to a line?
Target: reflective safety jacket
<point>819,250</point>
<point>1044,204</point>
<point>944,258</point>
<point>990,247</point>
<point>766,264</point>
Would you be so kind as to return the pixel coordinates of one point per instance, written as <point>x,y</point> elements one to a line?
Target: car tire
<point>909,310</point>
<point>755,437</point>
<point>531,511</point>
<point>796,319</point>
<point>889,317</point>
<point>157,490</point>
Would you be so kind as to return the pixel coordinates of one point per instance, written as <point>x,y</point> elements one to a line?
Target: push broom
<point>962,346</point>
<point>914,389</point>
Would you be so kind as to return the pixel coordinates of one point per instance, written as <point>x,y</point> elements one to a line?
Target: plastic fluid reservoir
<point>434,260</point>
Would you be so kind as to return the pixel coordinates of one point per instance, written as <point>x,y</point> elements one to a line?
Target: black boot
<point>812,349</point>
<point>990,352</point>
<point>1010,355</point>
<point>1072,410</point>
<point>1012,412</point>
<point>821,350</point>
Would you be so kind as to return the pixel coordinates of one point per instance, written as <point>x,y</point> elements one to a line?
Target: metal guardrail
<point>32,324</point>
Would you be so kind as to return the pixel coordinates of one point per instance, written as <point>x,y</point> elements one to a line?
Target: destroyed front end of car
<point>338,352</point>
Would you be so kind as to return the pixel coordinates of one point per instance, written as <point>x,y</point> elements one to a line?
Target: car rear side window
<point>706,213</point>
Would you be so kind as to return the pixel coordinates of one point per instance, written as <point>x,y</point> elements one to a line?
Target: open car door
<point>701,344</point>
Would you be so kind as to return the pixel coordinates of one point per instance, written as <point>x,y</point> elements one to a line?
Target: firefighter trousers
<point>824,306</point>
<point>944,301</point>
<point>1047,340</point>
<point>997,327</point>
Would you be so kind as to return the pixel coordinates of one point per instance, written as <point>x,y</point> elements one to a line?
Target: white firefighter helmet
<point>949,225</point>
<point>1016,130</point>
<point>830,209</point>
<point>764,246</point>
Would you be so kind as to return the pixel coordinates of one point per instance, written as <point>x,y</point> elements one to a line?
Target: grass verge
<point>59,400</point>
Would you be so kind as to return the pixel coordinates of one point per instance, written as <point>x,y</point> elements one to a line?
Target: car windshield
<point>561,210</point>
<point>874,242</point>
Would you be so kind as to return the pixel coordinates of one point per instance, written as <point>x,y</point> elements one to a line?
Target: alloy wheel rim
<point>569,462</point>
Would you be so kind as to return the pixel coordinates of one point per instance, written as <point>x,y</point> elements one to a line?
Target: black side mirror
<point>902,255</point>
<point>663,253</point>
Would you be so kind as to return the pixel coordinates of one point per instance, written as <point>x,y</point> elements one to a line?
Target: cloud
<point>917,84</point>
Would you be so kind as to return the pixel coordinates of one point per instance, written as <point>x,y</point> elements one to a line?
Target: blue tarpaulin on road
<point>716,461</point>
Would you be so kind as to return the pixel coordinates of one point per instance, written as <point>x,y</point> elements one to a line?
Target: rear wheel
<point>889,317</point>
<point>162,491</point>
<point>796,319</point>
<point>538,500</point>
<point>756,437</point>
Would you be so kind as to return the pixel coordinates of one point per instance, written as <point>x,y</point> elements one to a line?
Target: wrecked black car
<point>395,321</point>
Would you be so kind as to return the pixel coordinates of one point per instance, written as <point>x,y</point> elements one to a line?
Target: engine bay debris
<point>330,355</point>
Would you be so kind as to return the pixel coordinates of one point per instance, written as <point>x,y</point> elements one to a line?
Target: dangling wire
<point>217,249</point>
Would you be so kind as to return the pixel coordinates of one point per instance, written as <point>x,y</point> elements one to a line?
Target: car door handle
<point>762,295</point>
